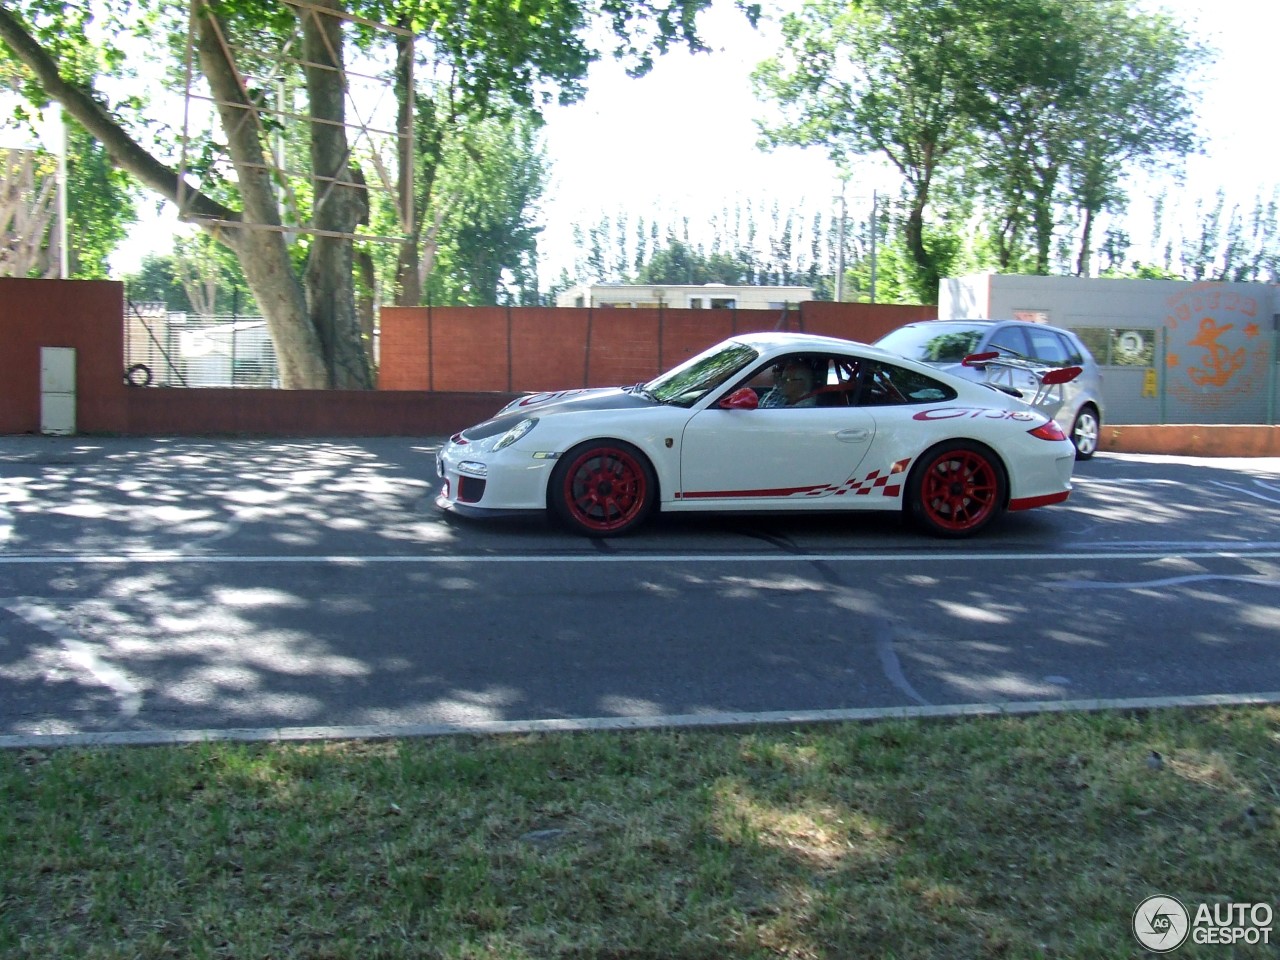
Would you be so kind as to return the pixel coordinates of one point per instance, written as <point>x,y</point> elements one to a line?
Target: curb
<point>708,721</point>
<point>1193,439</point>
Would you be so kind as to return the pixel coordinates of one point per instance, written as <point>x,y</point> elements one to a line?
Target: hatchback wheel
<point>1085,433</point>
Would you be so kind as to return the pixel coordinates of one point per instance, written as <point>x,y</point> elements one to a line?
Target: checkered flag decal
<point>886,484</point>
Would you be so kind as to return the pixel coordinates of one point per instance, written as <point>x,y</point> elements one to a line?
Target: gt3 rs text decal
<point>975,413</point>
<point>885,484</point>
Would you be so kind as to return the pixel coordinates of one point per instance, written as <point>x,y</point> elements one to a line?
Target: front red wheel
<point>602,488</point>
<point>957,489</point>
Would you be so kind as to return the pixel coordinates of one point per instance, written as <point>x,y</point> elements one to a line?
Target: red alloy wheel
<point>960,490</point>
<point>603,489</point>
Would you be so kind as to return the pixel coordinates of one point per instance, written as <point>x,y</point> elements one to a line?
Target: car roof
<point>781,340</point>
<point>984,322</point>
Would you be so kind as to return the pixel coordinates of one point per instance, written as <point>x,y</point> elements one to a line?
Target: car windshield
<point>688,383</point>
<point>933,342</point>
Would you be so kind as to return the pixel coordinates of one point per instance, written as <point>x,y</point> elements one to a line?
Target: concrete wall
<point>1212,346</point>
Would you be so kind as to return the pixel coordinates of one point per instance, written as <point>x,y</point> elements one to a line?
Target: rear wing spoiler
<point>999,371</point>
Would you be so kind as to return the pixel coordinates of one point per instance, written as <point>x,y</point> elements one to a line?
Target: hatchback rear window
<point>940,342</point>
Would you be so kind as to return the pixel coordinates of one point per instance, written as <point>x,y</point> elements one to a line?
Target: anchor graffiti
<point>1220,362</point>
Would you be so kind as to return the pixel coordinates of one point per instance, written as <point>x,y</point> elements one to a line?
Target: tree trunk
<point>408,292</point>
<point>1083,263</point>
<point>926,269</point>
<point>340,203</point>
<point>260,243</point>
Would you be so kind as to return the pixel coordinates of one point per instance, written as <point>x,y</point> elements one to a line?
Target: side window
<point>1074,356</point>
<point>1011,340</point>
<point>806,380</point>
<point>790,381</point>
<point>1047,347</point>
<point>885,385</point>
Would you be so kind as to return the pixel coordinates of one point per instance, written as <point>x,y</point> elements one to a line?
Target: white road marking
<point>1148,550</point>
<point>1166,582</point>
<point>1249,493</point>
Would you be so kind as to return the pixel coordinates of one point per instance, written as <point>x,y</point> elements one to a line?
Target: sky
<point>684,137</point>
<point>682,140</point>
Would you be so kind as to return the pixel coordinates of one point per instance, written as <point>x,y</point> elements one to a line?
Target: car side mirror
<point>742,399</point>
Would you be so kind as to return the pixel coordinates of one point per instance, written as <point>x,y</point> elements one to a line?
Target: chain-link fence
<point>181,350</point>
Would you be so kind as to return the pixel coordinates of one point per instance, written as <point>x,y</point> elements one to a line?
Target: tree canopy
<point>467,56</point>
<point>1030,106</point>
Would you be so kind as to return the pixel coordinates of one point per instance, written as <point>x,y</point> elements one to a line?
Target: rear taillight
<point>1048,431</point>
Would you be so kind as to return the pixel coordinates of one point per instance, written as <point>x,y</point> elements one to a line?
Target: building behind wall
<point>1172,351</point>
<point>710,296</point>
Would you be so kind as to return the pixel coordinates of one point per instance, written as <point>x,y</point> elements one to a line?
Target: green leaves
<point>1036,106</point>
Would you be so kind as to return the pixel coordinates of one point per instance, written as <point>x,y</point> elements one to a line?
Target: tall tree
<point>520,50</point>
<point>489,184</point>
<point>1038,102</point>
<point>1025,98</point>
<point>890,77</point>
<point>1137,109</point>
<point>101,198</point>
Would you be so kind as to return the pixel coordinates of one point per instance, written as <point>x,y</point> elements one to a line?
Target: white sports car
<point>766,422</point>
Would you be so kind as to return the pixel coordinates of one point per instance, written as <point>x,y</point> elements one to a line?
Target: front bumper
<point>477,482</point>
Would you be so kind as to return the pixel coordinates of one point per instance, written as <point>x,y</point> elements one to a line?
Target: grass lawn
<point>985,837</point>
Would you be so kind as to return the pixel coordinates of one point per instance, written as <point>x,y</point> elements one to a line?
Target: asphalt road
<point>161,586</point>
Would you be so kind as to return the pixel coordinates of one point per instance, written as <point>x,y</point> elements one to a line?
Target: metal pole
<point>840,248</point>
<point>1274,370</point>
<point>63,260</point>
<point>1163,373</point>
<point>874,199</point>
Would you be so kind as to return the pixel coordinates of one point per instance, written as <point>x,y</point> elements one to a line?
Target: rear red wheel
<point>956,489</point>
<point>602,488</point>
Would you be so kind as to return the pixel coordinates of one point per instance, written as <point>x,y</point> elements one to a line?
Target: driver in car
<point>792,386</point>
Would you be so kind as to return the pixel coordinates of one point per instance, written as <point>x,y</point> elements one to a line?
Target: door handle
<point>853,434</point>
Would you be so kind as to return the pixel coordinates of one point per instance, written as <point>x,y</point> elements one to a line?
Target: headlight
<point>515,433</point>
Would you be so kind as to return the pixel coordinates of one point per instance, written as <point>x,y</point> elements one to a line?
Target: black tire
<point>602,488</point>
<point>1085,433</point>
<point>139,375</point>
<point>956,489</point>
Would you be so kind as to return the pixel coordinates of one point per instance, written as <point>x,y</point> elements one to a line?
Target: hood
<point>550,404</point>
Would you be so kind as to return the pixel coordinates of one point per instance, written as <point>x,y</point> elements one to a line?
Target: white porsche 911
<point>766,422</point>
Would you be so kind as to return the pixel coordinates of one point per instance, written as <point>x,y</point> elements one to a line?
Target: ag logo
<point>1161,924</point>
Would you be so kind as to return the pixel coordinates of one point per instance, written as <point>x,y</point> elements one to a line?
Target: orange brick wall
<point>522,348</point>
<point>441,368</point>
<point>164,411</point>
<point>84,314</point>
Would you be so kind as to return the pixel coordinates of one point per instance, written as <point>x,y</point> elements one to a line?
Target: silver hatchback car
<point>945,343</point>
